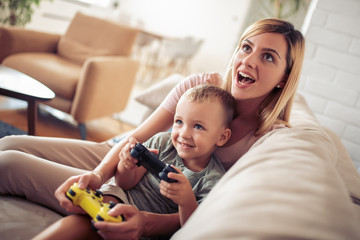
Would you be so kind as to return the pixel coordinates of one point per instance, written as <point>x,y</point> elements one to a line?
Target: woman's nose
<point>249,61</point>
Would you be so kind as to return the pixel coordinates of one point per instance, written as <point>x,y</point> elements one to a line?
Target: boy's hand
<point>126,160</point>
<point>181,191</point>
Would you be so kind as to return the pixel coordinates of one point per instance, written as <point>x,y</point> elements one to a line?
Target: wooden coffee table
<point>21,86</point>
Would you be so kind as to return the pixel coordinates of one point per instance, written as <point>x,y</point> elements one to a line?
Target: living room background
<point>220,22</point>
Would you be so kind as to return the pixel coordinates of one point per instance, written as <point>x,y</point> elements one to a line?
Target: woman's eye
<point>268,57</point>
<point>178,122</point>
<point>246,48</point>
<point>198,126</point>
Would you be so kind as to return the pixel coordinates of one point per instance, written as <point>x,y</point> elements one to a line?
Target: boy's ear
<point>224,137</point>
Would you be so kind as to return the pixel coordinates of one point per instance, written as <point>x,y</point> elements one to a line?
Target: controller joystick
<point>152,163</point>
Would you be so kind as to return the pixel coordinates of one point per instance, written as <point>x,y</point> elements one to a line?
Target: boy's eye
<point>268,57</point>
<point>198,126</point>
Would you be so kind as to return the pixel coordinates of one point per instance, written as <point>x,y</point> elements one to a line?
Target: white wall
<point>331,74</point>
<point>217,22</point>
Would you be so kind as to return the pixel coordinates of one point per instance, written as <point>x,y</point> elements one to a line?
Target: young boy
<point>201,124</point>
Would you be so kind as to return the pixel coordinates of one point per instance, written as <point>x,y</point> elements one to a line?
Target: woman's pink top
<point>227,155</point>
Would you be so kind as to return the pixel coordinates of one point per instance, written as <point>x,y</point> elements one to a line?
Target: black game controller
<point>152,163</point>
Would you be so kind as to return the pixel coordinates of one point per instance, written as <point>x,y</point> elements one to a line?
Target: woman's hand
<point>92,180</point>
<point>132,228</point>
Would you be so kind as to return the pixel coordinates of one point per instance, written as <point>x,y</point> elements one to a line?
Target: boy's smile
<point>197,129</point>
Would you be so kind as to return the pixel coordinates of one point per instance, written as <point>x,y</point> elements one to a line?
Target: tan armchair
<point>89,67</point>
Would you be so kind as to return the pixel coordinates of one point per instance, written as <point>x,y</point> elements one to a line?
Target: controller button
<point>98,193</point>
<point>112,204</point>
<point>71,192</point>
<point>163,175</point>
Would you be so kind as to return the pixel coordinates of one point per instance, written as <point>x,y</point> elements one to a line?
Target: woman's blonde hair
<point>276,107</point>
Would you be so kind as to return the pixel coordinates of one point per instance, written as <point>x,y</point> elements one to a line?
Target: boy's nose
<point>184,132</point>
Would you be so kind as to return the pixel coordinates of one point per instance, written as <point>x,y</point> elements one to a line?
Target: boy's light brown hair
<point>210,93</point>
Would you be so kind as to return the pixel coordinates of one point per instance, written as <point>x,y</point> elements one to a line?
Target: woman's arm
<point>138,224</point>
<point>160,224</point>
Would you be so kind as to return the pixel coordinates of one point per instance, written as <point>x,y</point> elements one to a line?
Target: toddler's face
<point>197,129</point>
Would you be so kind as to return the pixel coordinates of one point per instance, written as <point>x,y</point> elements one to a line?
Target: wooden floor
<point>14,112</point>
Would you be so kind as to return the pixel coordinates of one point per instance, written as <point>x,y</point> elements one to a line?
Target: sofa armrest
<point>104,87</point>
<point>16,40</point>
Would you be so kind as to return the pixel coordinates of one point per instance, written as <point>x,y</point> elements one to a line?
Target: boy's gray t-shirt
<point>146,194</point>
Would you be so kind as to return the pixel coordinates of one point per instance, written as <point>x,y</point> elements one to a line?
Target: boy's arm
<point>128,174</point>
<point>160,120</point>
<point>186,210</point>
<point>181,193</point>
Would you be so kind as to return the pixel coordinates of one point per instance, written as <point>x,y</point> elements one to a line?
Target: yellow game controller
<point>92,203</point>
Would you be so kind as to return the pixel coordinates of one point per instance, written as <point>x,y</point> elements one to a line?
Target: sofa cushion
<point>302,116</point>
<point>22,219</point>
<point>346,168</point>
<point>89,36</point>
<point>287,186</point>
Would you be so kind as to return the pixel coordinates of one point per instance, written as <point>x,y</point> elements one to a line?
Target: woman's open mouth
<point>244,79</point>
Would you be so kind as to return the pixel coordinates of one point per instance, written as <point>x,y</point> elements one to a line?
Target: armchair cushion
<point>88,68</point>
<point>77,46</point>
<point>54,70</point>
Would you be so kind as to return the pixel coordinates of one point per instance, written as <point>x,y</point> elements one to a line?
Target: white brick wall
<point>330,79</point>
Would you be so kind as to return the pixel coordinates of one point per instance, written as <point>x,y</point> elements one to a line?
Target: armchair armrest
<point>16,40</point>
<point>104,87</point>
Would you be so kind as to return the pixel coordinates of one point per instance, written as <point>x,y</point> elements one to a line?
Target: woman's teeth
<point>244,78</point>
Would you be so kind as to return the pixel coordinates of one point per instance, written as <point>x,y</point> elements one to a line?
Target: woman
<point>262,76</point>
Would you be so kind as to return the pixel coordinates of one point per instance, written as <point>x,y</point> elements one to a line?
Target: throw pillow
<point>154,95</point>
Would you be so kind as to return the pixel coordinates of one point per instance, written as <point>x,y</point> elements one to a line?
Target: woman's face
<point>259,66</point>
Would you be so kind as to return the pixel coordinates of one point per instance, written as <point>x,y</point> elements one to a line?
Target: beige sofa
<point>296,183</point>
<point>89,67</point>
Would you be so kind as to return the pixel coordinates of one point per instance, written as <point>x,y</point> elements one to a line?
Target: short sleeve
<point>171,100</point>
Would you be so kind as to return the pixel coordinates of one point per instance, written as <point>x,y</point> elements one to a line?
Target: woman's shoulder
<point>195,79</point>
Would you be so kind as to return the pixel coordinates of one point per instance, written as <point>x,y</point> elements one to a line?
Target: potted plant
<point>17,12</point>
